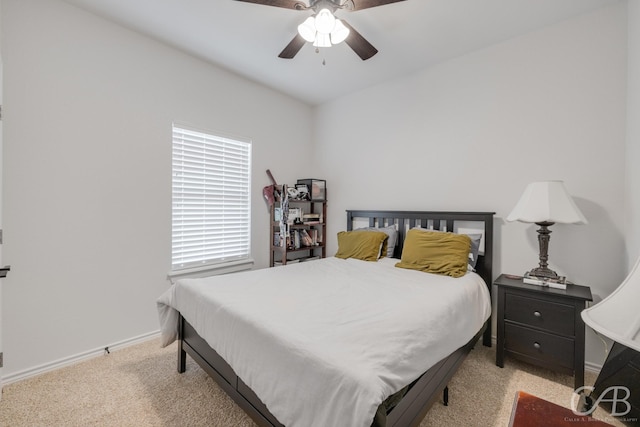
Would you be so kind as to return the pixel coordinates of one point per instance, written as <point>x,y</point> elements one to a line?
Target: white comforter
<point>323,343</point>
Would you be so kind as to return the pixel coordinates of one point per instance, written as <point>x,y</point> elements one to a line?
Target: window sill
<point>211,269</point>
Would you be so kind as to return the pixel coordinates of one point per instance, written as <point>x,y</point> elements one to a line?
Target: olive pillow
<point>436,252</point>
<point>473,252</point>
<point>364,245</point>
<point>390,245</point>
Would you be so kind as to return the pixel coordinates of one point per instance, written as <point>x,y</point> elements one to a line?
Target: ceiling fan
<point>322,28</point>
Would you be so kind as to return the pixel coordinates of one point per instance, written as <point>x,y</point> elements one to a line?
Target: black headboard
<point>444,221</point>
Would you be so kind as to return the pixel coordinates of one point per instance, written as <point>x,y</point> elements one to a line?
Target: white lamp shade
<point>308,29</point>
<point>339,33</point>
<point>325,21</point>
<point>616,316</point>
<point>547,201</point>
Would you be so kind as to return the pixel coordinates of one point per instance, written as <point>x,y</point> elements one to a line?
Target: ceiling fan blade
<point>359,44</point>
<point>287,4</point>
<point>293,47</point>
<point>366,4</point>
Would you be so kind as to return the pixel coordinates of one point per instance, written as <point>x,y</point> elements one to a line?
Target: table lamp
<point>545,203</point>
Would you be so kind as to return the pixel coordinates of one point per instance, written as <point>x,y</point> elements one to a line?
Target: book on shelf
<point>294,240</point>
<point>305,238</point>
<point>293,214</point>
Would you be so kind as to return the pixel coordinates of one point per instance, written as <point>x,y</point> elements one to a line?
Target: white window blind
<point>211,213</point>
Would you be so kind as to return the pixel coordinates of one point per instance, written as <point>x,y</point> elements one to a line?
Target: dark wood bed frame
<point>424,391</point>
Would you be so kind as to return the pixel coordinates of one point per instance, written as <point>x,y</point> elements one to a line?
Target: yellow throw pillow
<point>385,244</point>
<point>364,245</point>
<point>436,252</point>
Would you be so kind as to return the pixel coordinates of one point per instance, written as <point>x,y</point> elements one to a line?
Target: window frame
<point>217,191</point>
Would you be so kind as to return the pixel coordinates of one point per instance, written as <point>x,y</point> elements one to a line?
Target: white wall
<point>1,68</point>
<point>87,172</point>
<point>471,133</point>
<point>632,195</point>
<point>88,113</point>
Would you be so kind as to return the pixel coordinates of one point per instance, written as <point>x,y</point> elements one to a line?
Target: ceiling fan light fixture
<point>325,21</point>
<point>323,29</point>
<point>322,40</point>
<point>339,33</point>
<point>308,29</point>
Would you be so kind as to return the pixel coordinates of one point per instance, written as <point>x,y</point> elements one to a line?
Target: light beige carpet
<point>139,386</point>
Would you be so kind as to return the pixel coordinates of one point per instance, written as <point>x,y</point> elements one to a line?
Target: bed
<point>402,392</point>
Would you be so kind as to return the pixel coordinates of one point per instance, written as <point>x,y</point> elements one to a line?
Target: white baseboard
<point>71,360</point>
<point>67,361</point>
<point>593,367</point>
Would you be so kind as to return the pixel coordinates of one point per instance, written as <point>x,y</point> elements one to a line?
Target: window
<point>211,210</point>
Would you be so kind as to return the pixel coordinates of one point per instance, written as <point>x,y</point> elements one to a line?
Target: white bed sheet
<point>323,343</point>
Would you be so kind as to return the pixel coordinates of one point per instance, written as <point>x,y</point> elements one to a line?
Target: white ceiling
<point>410,35</point>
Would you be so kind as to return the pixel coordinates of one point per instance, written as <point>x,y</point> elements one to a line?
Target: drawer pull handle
<point>537,314</point>
<point>536,345</point>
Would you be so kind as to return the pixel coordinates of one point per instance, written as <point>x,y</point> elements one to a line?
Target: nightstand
<point>542,325</point>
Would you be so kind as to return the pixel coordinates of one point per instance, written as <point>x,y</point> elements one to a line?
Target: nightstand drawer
<point>547,315</point>
<point>548,348</point>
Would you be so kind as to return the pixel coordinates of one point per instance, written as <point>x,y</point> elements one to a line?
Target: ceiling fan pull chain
<point>324,62</point>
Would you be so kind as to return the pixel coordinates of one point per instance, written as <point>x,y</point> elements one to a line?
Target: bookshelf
<point>296,241</point>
